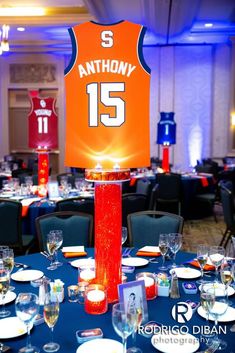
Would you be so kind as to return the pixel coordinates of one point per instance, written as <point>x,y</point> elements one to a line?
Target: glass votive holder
<point>150,284</point>
<point>82,286</point>
<point>86,273</point>
<point>96,302</point>
<point>73,293</point>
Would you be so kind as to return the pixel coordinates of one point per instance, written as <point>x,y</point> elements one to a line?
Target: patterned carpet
<point>203,231</point>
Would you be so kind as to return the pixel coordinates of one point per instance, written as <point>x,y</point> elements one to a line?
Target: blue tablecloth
<point>72,316</point>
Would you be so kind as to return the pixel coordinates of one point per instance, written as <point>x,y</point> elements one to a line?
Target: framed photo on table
<point>133,296</point>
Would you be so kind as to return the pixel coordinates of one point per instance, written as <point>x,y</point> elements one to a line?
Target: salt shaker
<point>174,291</point>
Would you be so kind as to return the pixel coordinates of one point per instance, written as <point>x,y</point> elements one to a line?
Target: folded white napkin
<point>149,248</point>
<point>73,248</point>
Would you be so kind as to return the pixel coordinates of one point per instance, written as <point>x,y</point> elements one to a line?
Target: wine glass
<point>124,234</point>
<point>226,275</point>
<point>8,261</point>
<point>58,234</point>
<point>216,254</point>
<point>217,308</point>
<point>136,316</point>
<point>51,248</point>
<point>202,257</point>
<point>51,314</point>
<point>27,308</point>
<point>4,286</point>
<point>175,243</point>
<point>163,247</point>
<point>206,300</point>
<point>121,323</point>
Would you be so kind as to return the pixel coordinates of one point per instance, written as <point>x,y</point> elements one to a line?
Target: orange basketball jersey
<point>107,97</point>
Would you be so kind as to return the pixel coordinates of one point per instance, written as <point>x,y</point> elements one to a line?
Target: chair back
<point>76,227</point>
<point>169,186</point>
<point>143,186</point>
<point>131,203</point>
<point>227,206</point>
<point>77,204</point>
<point>145,227</point>
<point>10,224</point>
<point>153,197</point>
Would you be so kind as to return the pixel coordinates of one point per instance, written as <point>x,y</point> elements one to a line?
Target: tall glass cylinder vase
<point>108,225</point>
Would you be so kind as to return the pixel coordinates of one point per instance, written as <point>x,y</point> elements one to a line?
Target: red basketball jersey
<point>42,123</point>
<point>107,97</point>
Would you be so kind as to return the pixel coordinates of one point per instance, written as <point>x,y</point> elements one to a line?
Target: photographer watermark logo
<point>182,312</point>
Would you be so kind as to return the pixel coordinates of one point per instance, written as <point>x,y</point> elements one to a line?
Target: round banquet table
<point>73,317</point>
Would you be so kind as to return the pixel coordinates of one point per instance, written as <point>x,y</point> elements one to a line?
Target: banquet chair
<point>145,227</point>
<point>11,228</point>
<point>169,192</point>
<point>76,227</point>
<point>228,207</point>
<point>77,204</point>
<point>143,187</point>
<point>132,202</point>
<point>152,198</point>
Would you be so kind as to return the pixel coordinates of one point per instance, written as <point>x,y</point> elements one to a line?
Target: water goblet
<point>136,316</point>
<point>51,248</point>
<point>27,308</point>
<point>121,323</point>
<point>51,314</point>
<point>202,257</point>
<point>4,286</point>
<point>206,300</point>
<point>58,234</point>
<point>217,308</point>
<point>216,255</point>
<point>163,247</point>
<point>175,243</point>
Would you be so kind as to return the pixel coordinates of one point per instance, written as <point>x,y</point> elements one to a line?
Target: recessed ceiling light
<point>20,29</point>
<point>22,11</point>
<point>208,25</point>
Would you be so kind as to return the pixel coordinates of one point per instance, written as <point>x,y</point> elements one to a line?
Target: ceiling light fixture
<point>22,11</point>
<point>208,25</point>
<point>20,29</point>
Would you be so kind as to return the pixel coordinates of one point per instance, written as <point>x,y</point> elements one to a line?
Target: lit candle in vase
<point>95,299</point>
<point>150,284</point>
<point>86,274</point>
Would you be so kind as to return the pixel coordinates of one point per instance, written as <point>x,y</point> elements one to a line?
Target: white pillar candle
<point>87,275</point>
<point>95,295</point>
<point>148,281</point>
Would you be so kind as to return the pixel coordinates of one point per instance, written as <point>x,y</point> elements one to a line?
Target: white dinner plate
<point>134,261</point>
<point>228,316</point>
<point>219,288</point>
<point>171,343</point>
<point>104,345</point>
<point>11,327</point>
<point>26,275</point>
<point>186,272</point>
<point>83,262</point>
<point>10,296</point>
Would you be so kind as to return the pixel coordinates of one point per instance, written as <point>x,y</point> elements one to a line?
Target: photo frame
<point>53,190</point>
<point>133,293</point>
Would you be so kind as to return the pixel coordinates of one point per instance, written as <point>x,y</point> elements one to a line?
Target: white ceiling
<point>168,21</point>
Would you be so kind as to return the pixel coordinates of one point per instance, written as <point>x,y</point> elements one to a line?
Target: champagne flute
<point>163,246</point>
<point>27,308</point>
<point>4,286</point>
<point>121,323</point>
<point>216,254</point>
<point>175,243</point>
<point>51,248</point>
<point>59,241</point>
<point>8,261</point>
<point>51,314</point>
<point>217,308</point>
<point>202,257</point>
<point>226,275</point>
<point>136,317</point>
